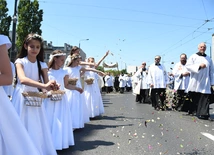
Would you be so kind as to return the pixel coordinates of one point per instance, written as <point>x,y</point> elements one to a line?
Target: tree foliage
<point>100,68</point>
<point>5,20</point>
<point>29,20</point>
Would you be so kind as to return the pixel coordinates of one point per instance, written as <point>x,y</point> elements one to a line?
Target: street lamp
<point>14,28</point>
<point>82,40</point>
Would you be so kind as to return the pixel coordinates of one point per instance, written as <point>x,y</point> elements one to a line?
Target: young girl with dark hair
<point>31,71</point>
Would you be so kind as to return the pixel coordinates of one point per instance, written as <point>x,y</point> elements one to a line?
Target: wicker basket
<point>89,81</point>
<point>72,81</point>
<point>57,95</point>
<point>34,99</point>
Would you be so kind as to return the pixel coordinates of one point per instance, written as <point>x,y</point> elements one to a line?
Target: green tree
<point>100,68</point>
<point>29,20</point>
<point>5,20</point>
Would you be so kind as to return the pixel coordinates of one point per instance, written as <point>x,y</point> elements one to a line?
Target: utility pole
<point>14,19</point>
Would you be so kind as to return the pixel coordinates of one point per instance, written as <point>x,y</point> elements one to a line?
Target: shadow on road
<point>81,136</point>
<point>84,146</point>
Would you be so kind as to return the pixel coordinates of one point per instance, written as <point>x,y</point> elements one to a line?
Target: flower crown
<point>35,36</point>
<point>75,57</point>
<point>58,54</point>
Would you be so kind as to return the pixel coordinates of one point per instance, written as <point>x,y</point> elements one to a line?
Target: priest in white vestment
<point>201,79</point>
<point>181,81</point>
<point>157,80</point>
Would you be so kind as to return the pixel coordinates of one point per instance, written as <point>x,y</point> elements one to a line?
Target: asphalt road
<point>130,128</point>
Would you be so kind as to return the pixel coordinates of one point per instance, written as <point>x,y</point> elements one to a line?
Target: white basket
<point>34,99</point>
<point>57,95</point>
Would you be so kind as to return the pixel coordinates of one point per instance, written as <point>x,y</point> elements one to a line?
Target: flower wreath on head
<point>35,36</point>
<point>58,54</point>
<point>75,57</point>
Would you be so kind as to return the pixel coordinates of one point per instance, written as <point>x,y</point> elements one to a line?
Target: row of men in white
<point>194,76</point>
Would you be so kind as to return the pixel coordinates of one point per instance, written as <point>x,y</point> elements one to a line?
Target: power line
<point>205,22</point>
<point>204,9</point>
<point>122,9</point>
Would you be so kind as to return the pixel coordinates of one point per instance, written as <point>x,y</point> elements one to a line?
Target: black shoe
<point>211,119</point>
<point>204,117</point>
<point>157,109</point>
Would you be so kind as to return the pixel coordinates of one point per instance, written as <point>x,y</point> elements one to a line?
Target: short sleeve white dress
<point>33,118</point>
<point>93,96</point>
<point>14,138</point>
<point>59,114</point>
<point>76,100</point>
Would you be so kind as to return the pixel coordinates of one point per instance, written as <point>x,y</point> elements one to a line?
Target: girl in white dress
<point>30,69</point>
<point>58,112</point>
<point>14,138</point>
<point>75,98</point>
<point>92,93</point>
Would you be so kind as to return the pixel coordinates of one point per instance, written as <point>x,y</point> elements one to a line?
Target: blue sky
<point>134,31</point>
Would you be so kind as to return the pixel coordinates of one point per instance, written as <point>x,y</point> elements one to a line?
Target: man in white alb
<point>157,80</point>
<point>201,71</point>
<point>181,81</point>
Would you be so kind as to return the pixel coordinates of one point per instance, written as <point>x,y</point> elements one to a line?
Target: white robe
<point>157,76</point>
<point>200,80</point>
<point>180,83</point>
<point>108,81</point>
<point>142,82</point>
<point>122,80</point>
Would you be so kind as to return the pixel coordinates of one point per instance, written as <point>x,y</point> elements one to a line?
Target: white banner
<point>112,65</point>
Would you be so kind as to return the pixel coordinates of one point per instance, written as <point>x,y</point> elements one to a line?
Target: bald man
<point>157,80</point>
<point>201,70</point>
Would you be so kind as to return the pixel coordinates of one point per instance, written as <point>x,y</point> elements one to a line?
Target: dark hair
<point>51,63</point>
<point>23,53</point>
<point>74,57</point>
<point>32,36</point>
<point>74,49</point>
<point>90,58</point>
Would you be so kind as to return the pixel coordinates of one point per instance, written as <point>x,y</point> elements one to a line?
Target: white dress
<point>14,139</point>
<point>9,88</point>
<point>33,118</point>
<point>59,115</point>
<point>92,95</point>
<point>76,100</point>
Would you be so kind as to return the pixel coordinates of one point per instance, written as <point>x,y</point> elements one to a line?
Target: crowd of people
<point>190,83</point>
<point>46,102</point>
